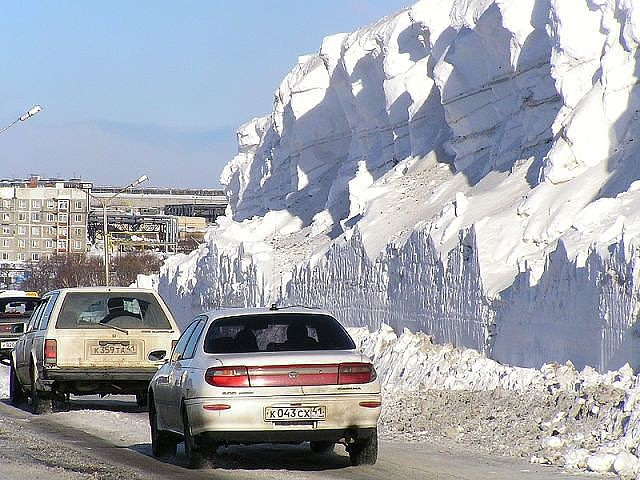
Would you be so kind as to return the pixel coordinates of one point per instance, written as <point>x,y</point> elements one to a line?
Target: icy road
<point>108,439</point>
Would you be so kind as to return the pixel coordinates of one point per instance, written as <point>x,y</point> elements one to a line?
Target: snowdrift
<point>467,169</point>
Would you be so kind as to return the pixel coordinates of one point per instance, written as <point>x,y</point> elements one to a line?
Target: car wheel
<point>322,447</point>
<point>192,448</point>
<point>141,399</point>
<point>364,452</point>
<point>17,396</point>
<point>59,402</point>
<point>39,401</point>
<point>162,443</point>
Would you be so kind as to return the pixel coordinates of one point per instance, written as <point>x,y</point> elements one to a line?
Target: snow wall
<point>519,120</point>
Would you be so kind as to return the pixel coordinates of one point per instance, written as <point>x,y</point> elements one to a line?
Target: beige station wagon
<point>98,340</point>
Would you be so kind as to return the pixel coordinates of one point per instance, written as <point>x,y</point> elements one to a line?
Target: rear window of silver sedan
<point>275,333</point>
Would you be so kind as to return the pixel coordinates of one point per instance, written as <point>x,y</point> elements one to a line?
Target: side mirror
<point>157,355</point>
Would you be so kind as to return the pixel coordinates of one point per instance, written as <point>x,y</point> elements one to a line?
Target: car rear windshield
<point>17,307</point>
<point>276,333</point>
<point>89,310</point>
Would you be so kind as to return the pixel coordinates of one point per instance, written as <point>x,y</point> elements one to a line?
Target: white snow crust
<point>466,169</point>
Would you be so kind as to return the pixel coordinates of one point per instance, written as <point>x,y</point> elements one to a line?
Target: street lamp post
<point>105,204</point>
<point>23,117</point>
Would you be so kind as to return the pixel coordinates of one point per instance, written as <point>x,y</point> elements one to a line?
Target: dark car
<point>15,309</point>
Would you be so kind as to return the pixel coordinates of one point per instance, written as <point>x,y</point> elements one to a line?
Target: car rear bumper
<point>244,420</point>
<point>104,373</point>
<point>289,436</point>
<point>90,381</point>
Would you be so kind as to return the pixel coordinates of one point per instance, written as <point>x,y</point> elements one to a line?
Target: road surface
<point>53,448</point>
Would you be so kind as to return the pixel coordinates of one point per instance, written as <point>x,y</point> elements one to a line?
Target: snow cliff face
<point>463,168</point>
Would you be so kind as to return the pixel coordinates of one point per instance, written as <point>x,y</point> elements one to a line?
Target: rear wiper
<point>120,329</point>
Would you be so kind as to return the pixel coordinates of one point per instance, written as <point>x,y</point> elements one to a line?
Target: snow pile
<point>557,414</point>
<point>462,168</point>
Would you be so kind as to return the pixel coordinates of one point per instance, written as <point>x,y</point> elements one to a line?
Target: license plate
<point>8,344</point>
<point>114,349</point>
<point>288,414</point>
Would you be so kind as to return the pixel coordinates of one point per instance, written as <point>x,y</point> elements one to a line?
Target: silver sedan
<point>265,375</point>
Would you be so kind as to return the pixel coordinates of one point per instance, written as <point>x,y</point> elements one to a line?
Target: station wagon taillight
<point>227,377</point>
<point>50,352</point>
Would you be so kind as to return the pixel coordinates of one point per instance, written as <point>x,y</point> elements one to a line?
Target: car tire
<point>162,443</point>
<point>141,399</point>
<point>17,397</point>
<point>365,451</point>
<point>192,448</point>
<point>322,447</point>
<point>40,403</point>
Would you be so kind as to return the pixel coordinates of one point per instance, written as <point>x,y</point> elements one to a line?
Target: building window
<point>4,255</point>
<point>78,204</point>
<point>22,243</point>
<point>51,231</point>
<point>63,218</point>
<point>51,204</point>
<point>6,217</point>
<point>35,256</point>
<point>6,203</point>
<point>35,204</point>
<point>6,230</point>
<point>35,231</point>
<point>77,245</point>
<point>48,244</point>
<point>21,256</point>
<point>22,204</point>
<point>62,244</point>
<point>35,244</point>
<point>63,204</point>
<point>22,217</point>
<point>63,231</point>
<point>51,217</point>
<point>5,242</point>
<point>22,230</point>
<point>35,216</point>
<point>77,218</point>
<point>78,232</point>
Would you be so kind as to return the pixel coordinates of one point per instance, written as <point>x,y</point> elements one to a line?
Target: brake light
<point>356,373</point>
<point>216,407</point>
<point>227,377</point>
<point>50,352</point>
<point>370,404</point>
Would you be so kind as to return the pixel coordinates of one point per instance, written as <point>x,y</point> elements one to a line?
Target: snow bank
<point>462,168</point>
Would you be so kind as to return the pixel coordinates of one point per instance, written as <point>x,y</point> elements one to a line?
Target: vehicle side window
<point>182,342</point>
<point>193,341</point>
<point>46,315</point>
<point>35,316</point>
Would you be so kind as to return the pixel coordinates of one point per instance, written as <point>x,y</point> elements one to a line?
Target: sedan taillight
<point>50,352</point>
<point>356,373</point>
<point>227,377</point>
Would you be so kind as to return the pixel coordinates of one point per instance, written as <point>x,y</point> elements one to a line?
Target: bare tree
<point>61,271</point>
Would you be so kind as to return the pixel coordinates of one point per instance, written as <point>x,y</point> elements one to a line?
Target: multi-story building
<point>38,219</point>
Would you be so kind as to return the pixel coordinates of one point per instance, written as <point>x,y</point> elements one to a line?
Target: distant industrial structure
<point>40,217</point>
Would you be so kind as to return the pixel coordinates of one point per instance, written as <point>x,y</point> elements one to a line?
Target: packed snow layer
<point>463,168</point>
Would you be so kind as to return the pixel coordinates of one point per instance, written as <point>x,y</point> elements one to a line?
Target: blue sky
<point>154,87</point>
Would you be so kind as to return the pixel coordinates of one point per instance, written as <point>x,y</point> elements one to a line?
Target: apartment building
<point>38,220</point>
